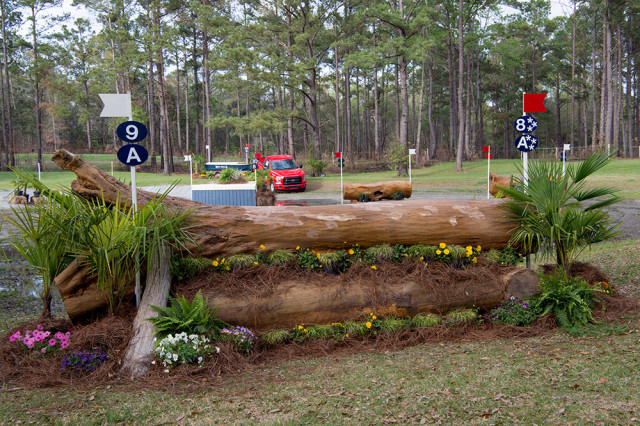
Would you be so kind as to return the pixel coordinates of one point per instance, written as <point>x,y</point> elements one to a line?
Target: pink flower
<point>15,336</point>
<point>28,342</point>
<point>40,327</point>
<point>52,342</point>
<point>43,350</point>
<point>58,335</point>
<point>46,334</point>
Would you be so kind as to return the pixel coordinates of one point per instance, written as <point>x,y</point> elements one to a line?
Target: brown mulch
<point>112,334</point>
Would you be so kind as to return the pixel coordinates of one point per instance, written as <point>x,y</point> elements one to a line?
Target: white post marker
<point>567,147</point>
<point>488,171</point>
<point>119,105</point>
<point>39,172</point>
<point>112,168</point>
<point>341,164</point>
<point>188,158</point>
<point>208,153</point>
<point>411,152</point>
<point>525,156</point>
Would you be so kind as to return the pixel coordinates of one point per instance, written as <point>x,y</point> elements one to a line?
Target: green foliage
<point>319,331</point>
<point>398,195</point>
<point>505,257</point>
<point>363,198</point>
<point>355,328</point>
<point>570,299</point>
<point>317,166</point>
<point>550,214</point>
<point>426,320</point>
<point>307,259</point>
<point>263,177</point>
<point>241,337</point>
<point>239,261</point>
<point>383,252</point>
<point>394,324</point>
<point>277,337</point>
<point>229,174</point>
<point>198,163</point>
<point>186,317</point>
<point>598,330</point>
<point>461,316</point>
<point>422,251</point>
<point>280,257</point>
<point>397,157</point>
<point>183,268</point>
<point>514,311</point>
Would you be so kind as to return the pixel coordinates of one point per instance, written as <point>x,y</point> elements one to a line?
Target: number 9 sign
<point>131,131</point>
<point>525,124</point>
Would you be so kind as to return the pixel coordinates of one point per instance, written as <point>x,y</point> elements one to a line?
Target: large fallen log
<point>377,191</point>
<point>292,303</point>
<point>226,230</point>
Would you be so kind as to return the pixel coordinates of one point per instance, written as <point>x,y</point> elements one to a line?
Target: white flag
<point>116,105</point>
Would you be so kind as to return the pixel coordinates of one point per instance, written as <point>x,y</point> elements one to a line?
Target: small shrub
<point>280,257</point>
<point>181,348</point>
<point>394,324</point>
<point>230,175</point>
<point>319,332</point>
<point>383,252</point>
<point>569,299</point>
<point>461,316</point>
<point>355,328</point>
<point>398,195</point>
<point>186,317</point>
<point>422,250</point>
<point>276,337</point>
<point>84,361</point>
<point>317,166</point>
<point>183,268</point>
<point>240,261</point>
<point>514,311</point>
<point>363,198</point>
<point>308,259</point>
<point>333,262</point>
<point>426,320</point>
<point>241,337</point>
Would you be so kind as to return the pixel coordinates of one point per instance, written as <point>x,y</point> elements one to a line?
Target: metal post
<point>488,172</point>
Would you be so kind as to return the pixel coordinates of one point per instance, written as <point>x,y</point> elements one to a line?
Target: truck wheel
<point>273,187</point>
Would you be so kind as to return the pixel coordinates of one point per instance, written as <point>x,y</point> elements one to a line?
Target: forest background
<point>309,77</point>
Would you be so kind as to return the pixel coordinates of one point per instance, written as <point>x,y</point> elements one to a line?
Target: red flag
<point>338,155</point>
<point>485,149</point>
<point>534,102</point>
<point>488,156</point>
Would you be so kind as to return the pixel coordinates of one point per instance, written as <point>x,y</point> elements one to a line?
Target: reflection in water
<point>305,203</point>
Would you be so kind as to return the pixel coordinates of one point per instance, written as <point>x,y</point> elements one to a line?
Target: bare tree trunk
<point>573,73</point>
<point>376,101</point>
<point>196,90</point>
<point>420,107</point>
<point>152,117</point>
<point>337,89</point>
<point>594,123</point>
<point>178,125</point>
<point>139,354</point>
<point>6,105</point>
<point>460,89</point>
<point>432,133</point>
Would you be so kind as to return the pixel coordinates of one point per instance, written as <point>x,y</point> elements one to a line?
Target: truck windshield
<point>284,164</point>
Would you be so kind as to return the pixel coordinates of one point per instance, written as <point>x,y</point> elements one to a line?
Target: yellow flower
<point>368,324</point>
<point>255,263</point>
<point>425,265</point>
<point>346,335</point>
<point>438,252</point>
<point>318,255</point>
<point>406,255</point>
<point>226,267</point>
<point>351,251</point>
<point>421,258</point>
<point>373,317</point>
<point>446,251</point>
<point>442,245</point>
<point>479,248</point>
<point>300,327</point>
<point>373,267</point>
<point>319,266</point>
<point>215,263</point>
<point>261,246</point>
<point>305,330</point>
<point>222,261</point>
<point>475,260</point>
<point>298,248</point>
<point>469,248</point>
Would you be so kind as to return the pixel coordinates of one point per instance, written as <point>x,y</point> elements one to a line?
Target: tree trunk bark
<point>139,354</point>
<point>377,191</point>
<point>317,302</point>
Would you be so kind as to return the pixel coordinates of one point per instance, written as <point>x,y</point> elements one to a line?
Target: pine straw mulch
<point>112,334</point>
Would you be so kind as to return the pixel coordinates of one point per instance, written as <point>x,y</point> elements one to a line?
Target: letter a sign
<point>133,154</point>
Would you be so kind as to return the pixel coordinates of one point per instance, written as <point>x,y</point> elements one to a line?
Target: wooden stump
<point>377,191</point>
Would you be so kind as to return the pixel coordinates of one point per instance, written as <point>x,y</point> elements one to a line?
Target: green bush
<point>398,158</point>
<point>239,261</point>
<point>229,174</point>
<point>426,320</point>
<point>570,299</point>
<point>186,317</point>
<point>514,311</point>
<point>317,166</point>
<point>280,257</point>
<point>461,316</point>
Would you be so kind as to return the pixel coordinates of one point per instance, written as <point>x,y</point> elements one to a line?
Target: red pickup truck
<point>286,174</point>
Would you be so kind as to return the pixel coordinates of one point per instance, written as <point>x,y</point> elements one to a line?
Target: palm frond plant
<point>556,214</point>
